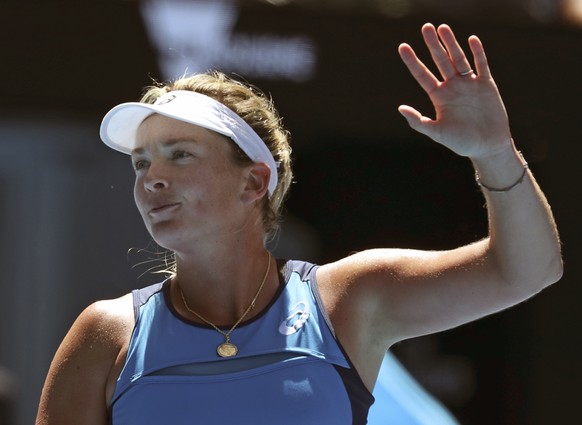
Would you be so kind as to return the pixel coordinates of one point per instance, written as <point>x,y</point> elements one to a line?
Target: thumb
<point>416,120</point>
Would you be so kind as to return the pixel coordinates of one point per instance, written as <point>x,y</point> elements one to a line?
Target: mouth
<point>160,209</point>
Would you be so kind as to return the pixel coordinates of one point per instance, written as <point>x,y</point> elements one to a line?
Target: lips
<point>161,209</point>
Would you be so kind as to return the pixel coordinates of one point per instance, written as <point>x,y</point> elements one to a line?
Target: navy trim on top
<point>141,296</point>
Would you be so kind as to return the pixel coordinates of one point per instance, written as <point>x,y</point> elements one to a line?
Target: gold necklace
<point>227,348</point>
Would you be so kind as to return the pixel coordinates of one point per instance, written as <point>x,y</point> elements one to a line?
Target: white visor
<point>120,124</point>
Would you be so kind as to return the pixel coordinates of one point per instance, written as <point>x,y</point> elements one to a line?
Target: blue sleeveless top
<point>289,369</point>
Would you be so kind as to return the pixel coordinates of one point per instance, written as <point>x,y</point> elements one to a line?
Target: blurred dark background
<point>70,235</point>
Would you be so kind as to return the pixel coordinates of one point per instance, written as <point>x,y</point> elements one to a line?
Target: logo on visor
<point>166,99</point>
<point>296,319</point>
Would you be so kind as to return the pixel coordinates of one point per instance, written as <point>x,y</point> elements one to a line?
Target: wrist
<point>500,171</point>
<point>498,152</point>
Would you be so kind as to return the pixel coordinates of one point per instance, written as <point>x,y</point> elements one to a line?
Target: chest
<point>288,361</point>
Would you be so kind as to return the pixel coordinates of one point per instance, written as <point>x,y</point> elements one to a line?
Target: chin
<point>166,235</point>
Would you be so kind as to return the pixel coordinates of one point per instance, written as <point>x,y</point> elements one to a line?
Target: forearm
<point>524,246</point>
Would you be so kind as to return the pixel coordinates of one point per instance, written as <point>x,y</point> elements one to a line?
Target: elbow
<point>533,278</point>
<point>555,270</point>
<point>549,273</point>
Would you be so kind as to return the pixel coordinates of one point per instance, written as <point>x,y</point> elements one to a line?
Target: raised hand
<point>470,116</point>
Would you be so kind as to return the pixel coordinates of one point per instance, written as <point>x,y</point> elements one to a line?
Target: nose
<point>155,178</point>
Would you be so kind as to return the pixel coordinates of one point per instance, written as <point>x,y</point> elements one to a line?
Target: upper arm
<point>76,384</point>
<point>395,294</point>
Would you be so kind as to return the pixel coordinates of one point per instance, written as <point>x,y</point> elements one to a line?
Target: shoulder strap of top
<point>307,272</point>
<point>140,296</point>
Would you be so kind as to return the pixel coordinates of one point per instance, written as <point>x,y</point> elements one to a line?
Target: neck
<point>220,285</point>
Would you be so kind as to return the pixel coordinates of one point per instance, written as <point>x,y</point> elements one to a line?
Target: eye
<point>140,164</point>
<point>181,155</point>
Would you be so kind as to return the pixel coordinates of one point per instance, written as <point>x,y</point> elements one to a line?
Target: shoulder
<point>106,320</point>
<point>98,334</point>
<point>79,378</point>
<point>379,288</point>
<point>400,293</point>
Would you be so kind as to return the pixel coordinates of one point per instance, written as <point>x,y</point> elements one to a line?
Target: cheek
<point>138,197</point>
<point>231,176</point>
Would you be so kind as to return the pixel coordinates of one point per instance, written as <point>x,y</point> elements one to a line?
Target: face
<point>188,186</point>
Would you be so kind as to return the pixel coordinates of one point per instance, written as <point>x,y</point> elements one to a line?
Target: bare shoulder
<point>394,294</point>
<point>103,325</point>
<point>363,275</point>
<point>406,292</point>
<point>350,290</point>
<point>109,319</point>
<point>78,384</point>
<point>377,297</point>
<point>357,284</point>
<point>390,272</point>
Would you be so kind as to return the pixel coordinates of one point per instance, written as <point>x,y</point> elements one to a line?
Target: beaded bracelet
<point>508,188</point>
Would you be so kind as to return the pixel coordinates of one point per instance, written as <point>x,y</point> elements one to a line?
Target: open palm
<point>470,116</point>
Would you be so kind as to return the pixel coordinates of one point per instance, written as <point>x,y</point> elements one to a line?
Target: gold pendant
<point>227,349</point>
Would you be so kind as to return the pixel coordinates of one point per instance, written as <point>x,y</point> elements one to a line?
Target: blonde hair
<point>259,112</point>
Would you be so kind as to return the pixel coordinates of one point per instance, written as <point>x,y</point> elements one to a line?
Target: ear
<point>257,182</point>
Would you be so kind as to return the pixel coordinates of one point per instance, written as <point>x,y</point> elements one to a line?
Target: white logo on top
<point>296,319</point>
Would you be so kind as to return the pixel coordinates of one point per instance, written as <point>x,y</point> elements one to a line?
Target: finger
<point>457,55</point>
<point>416,120</point>
<point>439,54</point>
<point>419,71</point>
<point>479,57</point>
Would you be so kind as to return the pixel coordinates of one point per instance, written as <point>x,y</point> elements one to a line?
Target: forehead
<point>160,130</point>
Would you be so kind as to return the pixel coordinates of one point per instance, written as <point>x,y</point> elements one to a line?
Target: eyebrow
<point>166,144</point>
